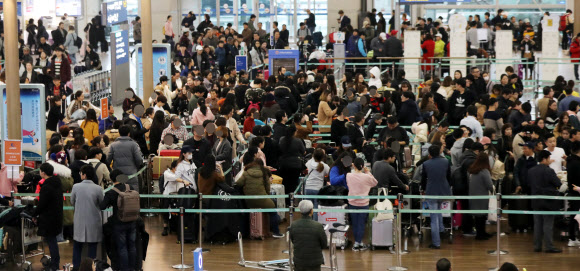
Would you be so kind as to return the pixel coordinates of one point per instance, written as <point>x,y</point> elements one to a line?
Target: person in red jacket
<point>575,53</point>
<point>249,123</point>
<point>428,48</point>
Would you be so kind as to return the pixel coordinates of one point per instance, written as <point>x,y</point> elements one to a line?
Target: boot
<point>164,233</point>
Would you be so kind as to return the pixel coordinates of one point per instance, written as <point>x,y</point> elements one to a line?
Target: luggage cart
<point>447,219</point>
<point>29,236</point>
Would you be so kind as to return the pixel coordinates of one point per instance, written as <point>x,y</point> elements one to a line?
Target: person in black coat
<point>543,181</point>
<point>59,35</point>
<point>55,114</point>
<point>573,169</point>
<point>409,111</point>
<point>200,147</point>
<point>356,132</point>
<point>49,212</point>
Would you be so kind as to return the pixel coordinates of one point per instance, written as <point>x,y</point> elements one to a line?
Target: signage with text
<point>161,64</point>
<point>241,63</point>
<point>283,58</point>
<point>198,259</point>
<point>116,12</point>
<point>104,108</point>
<point>121,47</point>
<point>12,152</point>
<point>70,7</point>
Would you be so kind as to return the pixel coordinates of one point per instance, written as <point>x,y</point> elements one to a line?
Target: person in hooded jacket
<point>409,111</point>
<point>461,187</point>
<point>375,79</point>
<point>50,213</point>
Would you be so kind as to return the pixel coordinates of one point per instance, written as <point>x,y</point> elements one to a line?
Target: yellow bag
<point>276,179</point>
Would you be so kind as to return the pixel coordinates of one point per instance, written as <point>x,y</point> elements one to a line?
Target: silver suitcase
<point>382,233</point>
<point>339,238</point>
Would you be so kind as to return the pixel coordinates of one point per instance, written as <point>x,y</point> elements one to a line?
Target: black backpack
<point>78,42</point>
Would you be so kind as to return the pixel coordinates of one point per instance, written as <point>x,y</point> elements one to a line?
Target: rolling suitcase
<point>324,218</point>
<point>382,233</point>
<point>259,226</point>
<point>516,221</point>
<point>278,189</point>
<point>190,232</point>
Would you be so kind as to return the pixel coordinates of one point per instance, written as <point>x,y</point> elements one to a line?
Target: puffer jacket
<point>126,156</point>
<point>376,81</point>
<point>252,181</point>
<point>309,239</point>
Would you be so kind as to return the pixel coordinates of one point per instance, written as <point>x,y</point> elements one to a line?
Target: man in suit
<point>356,132</point>
<point>278,42</point>
<point>343,20</point>
<point>59,35</point>
<point>544,182</point>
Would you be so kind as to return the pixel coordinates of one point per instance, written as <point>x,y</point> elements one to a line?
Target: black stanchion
<point>182,265</point>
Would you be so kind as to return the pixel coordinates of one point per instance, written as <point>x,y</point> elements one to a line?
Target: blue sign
<point>18,8</point>
<point>121,47</point>
<point>161,64</point>
<point>198,259</point>
<point>116,12</point>
<point>33,122</point>
<point>241,63</point>
<point>283,58</point>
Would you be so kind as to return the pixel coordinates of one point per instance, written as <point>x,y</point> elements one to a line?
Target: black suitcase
<point>190,231</point>
<point>517,221</point>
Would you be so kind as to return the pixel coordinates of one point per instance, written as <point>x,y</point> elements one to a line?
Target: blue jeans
<point>358,221</point>
<point>124,235</point>
<point>54,252</point>
<point>78,251</point>
<point>275,223</point>
<point>312,29</point>
<point>314,201</point>
<point>436,222</point>
<point>73,58</point>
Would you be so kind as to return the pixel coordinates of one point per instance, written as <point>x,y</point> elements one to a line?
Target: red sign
<point>13,152</point>
<point>104,108</point>
<point>30,164</point>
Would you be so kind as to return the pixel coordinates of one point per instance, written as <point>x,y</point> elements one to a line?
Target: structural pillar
<point>11,67</point>
<point>576,13</point>
<point>147,47</point>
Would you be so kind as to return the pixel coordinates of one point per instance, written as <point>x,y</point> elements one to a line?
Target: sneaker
<point>355,247</point>
<point>471,234</point>
<point>363,247</point>
<point>279,235</point>
<point>164,233</point>
<point>573,243</point>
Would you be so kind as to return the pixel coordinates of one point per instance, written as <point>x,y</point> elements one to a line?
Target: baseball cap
<point>345,141</point>
<point>394,32</point>
<point>529,144</point>
<point>439,35</point>
<point>383,35</point>
<point>485,140</point>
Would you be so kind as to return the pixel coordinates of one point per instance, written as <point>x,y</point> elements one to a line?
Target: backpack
<point>128,204</point>
<point>96,178</point>
<point>253,105</point>
<point>163,30</point>
<point>78,42</point>
<point>563,22</point>
<point>254,95</point>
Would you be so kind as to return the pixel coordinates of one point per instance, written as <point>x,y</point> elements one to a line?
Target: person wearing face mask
<point>186,168</point>
<point>172,183</point>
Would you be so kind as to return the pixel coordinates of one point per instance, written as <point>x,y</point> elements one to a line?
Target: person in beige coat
<point>325,114</point>
<point>103,175</point>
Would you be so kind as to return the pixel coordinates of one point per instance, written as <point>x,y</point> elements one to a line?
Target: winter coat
<point>49,209</point>
<point>309,239</point>
<point>408,113</point>
<point>66,182</point>
<point>376,81</point>
<point>376,45</point>
<point>325,115</point>
<point>394,47</point>
<point>126,156</point>
<point>456,152</point>
<point>65,73</point>
<point>270,111</point>
<point>428,47</point>
<point>102,172</point>
<point>252,182</point>
<point>461,187</point>
<point>543,181</point>
<point>8,185</point>
<point>86,197</point>
<point>91,129</point>
<point>480,184</point>
<point>137,31</point>
<point>575,51</point>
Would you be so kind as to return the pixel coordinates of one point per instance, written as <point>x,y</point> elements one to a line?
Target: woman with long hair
<point>325,113</point>
<point>359,183</point>
<point>90,125</point>
<point>222,150</point>
<point>504,144</point>
<point>209,175</point>
<point>128,103</point>
<point>292,152</point>
<point>201,113</point>
<point>157,126</point>
<point>480,184</point>
<point>317,170</point>
<point>428,104</point>
<point>446,88</point>
<point>255,180</point>
<point>564,120</point>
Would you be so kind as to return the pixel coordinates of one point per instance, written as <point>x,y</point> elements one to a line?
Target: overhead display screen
<point>70,7</point>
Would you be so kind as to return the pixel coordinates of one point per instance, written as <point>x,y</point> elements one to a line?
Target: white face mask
<point>189,156</point>
<point>486,78</point>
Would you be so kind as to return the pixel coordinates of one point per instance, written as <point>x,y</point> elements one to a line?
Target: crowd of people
<point>468,134</point>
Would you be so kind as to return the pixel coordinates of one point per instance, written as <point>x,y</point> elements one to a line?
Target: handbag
<point>492,206</point>
<point>383,205</point>
<point>528,55</point>
<point>498,170</point>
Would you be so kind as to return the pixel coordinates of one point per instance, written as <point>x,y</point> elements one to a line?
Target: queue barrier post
<point>397,211</point>
<point>200,228</point>
<point>498,235</point>
<point>182,241</point>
